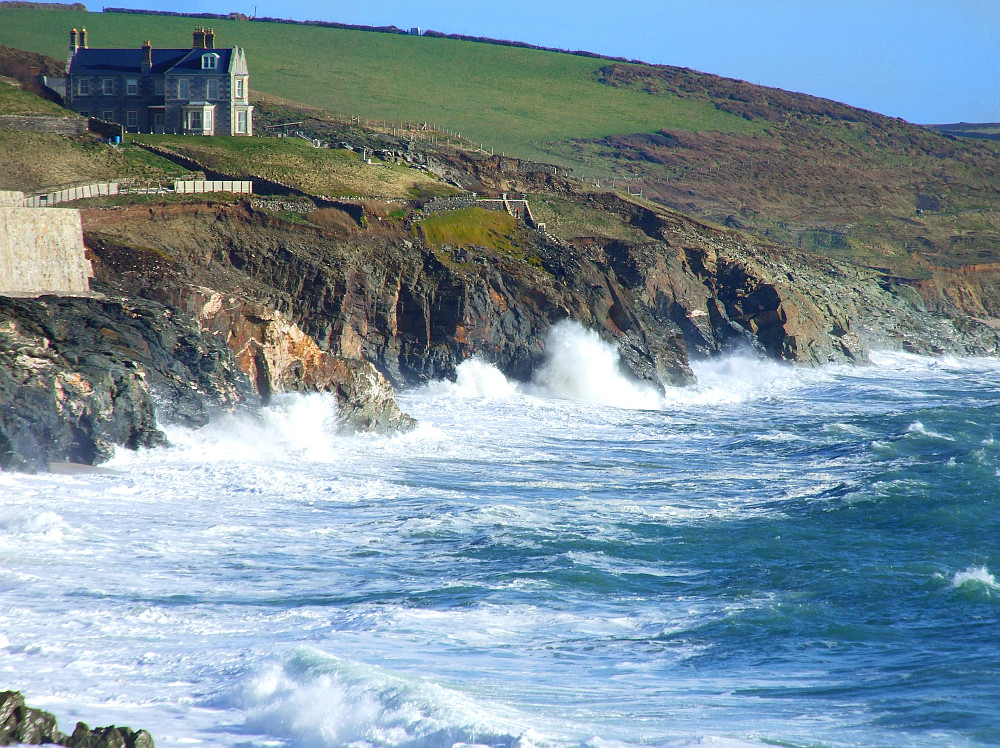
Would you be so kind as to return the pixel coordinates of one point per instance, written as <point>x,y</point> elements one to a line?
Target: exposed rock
<point>21,724</point>
<point>279,357</point>
<point>415,310</point>
<point>80,376</point>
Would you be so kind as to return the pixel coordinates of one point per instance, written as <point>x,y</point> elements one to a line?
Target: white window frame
<point>206,121</point>
<point>108,116</point>
<point>195,116</point>
<point>183,88</point>
<point>239,88</point>
<point>131,87</point>
<point>211,88</point>
<point>210,61</point>
<point>83,87</point>
<point>241,121</point>
<point>108,87</point>
<point>132,118</point>
<point>158,86</point>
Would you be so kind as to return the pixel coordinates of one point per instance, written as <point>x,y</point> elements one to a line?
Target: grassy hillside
<point>35,162</point>
<point>15,100</point>
<point>803,171</point>
<point>512,99</point>
<point>295,163</point>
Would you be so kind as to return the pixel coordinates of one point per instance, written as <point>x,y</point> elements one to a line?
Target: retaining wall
<point>11,199</point>
<point>42,252</point>
<point>69,126</point>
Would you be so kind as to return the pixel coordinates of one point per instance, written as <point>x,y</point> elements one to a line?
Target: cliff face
<point>79,376</point>
<point>416,309</point>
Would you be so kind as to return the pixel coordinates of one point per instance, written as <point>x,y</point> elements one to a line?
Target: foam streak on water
<point>777,555</point>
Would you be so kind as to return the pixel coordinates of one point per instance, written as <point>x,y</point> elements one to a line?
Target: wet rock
<point>79,377</point>
<point>21,724</point>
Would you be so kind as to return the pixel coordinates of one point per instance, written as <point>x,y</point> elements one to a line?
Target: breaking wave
<point>317,700</point>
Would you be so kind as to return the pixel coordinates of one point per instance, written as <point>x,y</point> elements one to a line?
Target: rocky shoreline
<point>217,306</point>
<point>23,725</point>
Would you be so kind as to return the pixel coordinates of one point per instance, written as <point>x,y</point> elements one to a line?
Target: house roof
<point>124,61</point>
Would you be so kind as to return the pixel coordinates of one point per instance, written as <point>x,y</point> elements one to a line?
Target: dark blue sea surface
<point>778,556</point>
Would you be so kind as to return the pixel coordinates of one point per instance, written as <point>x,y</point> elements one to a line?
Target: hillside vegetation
<point>297,164</point>
<point>801,171</point>
<point>511,99</point>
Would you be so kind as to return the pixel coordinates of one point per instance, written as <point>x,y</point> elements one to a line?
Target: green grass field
<point>511,99</point>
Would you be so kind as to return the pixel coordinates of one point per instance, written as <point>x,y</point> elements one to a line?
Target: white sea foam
<point>316,700</point>
<point>581,366</point>
<point>293,425</point>
<point>976,578</point>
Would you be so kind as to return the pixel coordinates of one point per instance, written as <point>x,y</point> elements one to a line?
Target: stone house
<point>196,91</point>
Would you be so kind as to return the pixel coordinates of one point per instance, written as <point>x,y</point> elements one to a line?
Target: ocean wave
<point>581,366</point>
<point>976,579</point>
<point>316,700</point>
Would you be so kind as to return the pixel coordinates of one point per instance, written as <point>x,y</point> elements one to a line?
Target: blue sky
<point>928,62</point>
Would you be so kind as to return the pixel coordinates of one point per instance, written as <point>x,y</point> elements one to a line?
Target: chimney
<point>209,38</point>
<point>74,44</point>
<point>199,37</point>
<point>147,56</point>
<point>83,38</point>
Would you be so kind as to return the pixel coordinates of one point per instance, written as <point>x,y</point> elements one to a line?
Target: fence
<point>208,185</point>
<point>104,189</point>
<point>73,193</point>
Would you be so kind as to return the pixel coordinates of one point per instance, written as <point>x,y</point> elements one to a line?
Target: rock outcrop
<point>278,357</point>
<point>24,725</point>
<point>79,376</point>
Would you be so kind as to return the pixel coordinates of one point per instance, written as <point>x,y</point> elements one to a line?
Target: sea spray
<point>316,700</point>
<point>581,366</point>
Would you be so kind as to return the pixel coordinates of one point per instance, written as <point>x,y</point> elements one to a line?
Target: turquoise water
<point>776,557</point>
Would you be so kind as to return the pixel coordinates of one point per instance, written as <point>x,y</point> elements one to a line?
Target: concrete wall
<point>41,251</point>
<point>11,199</point>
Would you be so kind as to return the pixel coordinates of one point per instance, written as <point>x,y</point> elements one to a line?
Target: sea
<point>776,556</point>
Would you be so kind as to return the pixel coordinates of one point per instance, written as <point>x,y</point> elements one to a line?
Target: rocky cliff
<point>416,306</point>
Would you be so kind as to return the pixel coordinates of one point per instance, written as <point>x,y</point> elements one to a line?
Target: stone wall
<point>41,251</point>
<point>69,126</point>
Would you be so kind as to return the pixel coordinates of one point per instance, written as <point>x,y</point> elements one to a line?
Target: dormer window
<point>210,61</point>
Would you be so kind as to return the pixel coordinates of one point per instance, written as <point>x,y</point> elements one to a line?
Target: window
<point>84,113</point>
<point>158,86</point>
<point>83,87</point>
<point>239,88</point>
<point>208,120</point>
<point>108,86</point>
<point>108,116</point>
<point>183,89</point>
<point>241,122</point>
<point>131,87</point>
<point>194,120</point>
<point>210,61</point>
<point>213,89</point>
<point>132,119</point>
